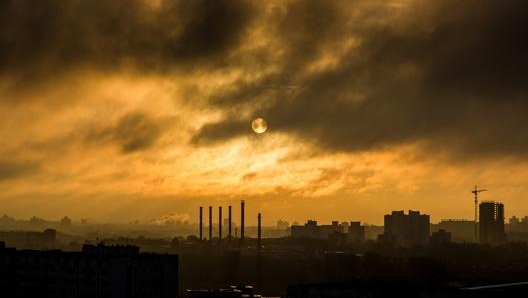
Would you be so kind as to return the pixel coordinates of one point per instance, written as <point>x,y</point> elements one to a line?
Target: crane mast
<point>475,192</point>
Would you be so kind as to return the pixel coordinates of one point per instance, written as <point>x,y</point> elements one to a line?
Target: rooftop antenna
<point>475,192</point>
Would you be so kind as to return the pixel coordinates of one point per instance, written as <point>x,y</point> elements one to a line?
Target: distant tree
<point>175,243</point>
<point>192,238</point>
<point>73,246</point>
<point>7,219</point>
<point>282,224</point>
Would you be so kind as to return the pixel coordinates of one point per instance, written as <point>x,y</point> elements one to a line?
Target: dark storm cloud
<point>451,74</point>
<point>133,132</point>
<point>220,131</point>
<point>15,169</point>
<point>40,38</point>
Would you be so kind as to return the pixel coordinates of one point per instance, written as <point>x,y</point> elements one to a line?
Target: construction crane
<point>475,192</point>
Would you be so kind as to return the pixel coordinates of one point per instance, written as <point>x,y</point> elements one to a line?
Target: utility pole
<point>475,192</point>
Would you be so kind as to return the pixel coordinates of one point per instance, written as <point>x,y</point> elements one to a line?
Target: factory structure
<point>400,228</point>
<point>226,225</point>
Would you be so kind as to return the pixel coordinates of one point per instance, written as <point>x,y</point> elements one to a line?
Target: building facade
<point>461,230</point>
<point>406,229</point>
<point>45,240</point>
<point>96,271</point>
<point>311,230</point>
<point>340,232</point>
<point>491,223</point>
<point>356,232</point>
<point>440,237</point>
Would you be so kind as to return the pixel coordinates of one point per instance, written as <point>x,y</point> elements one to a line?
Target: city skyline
<point>128,111</point>
<point>172,219</point>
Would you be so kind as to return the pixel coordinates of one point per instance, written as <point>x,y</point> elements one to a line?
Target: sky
<point>131,110</point>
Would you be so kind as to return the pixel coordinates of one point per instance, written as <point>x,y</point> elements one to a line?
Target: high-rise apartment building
<point>491,223</point>
<point>406,229</point>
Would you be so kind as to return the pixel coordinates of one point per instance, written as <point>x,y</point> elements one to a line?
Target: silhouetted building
<point>440,237</point>
<point>333,228</point>
<point>372,231</point>
<point>461,230</point>
<point>517,229</point>
<point>30,240</point>
<point>356,232</point>
<point>96,271</point>
<point>517,236</point>
<point>311,230</point>
<point>406,229</point>
<point>517,224</point>
<point>514,221</point>
<point>491,223</point>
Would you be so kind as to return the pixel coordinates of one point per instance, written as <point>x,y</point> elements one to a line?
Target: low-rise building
<point>349,231</point>
<point>96,271</point>
<point>440,237</point>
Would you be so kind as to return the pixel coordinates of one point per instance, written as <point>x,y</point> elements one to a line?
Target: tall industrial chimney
<point>201,223</point>
<point>210,223</point>
<point>242,220</point>
<point>220,223</point>
<point>259,251</point>
<point>259,231</point>
<point>229,223</point>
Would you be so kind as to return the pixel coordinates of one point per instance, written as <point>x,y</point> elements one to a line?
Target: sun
<point>259,125</point>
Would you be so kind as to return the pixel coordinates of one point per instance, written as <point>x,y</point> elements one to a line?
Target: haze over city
<point>134,110</point>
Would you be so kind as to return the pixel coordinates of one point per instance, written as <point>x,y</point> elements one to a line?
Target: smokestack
<point>229,223</point>
<point>242,220</point>
<point>210,223</point>
<point>259,251</point>
<point>220,223</point>
<point>259,231</point>
<point>201,223</point>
